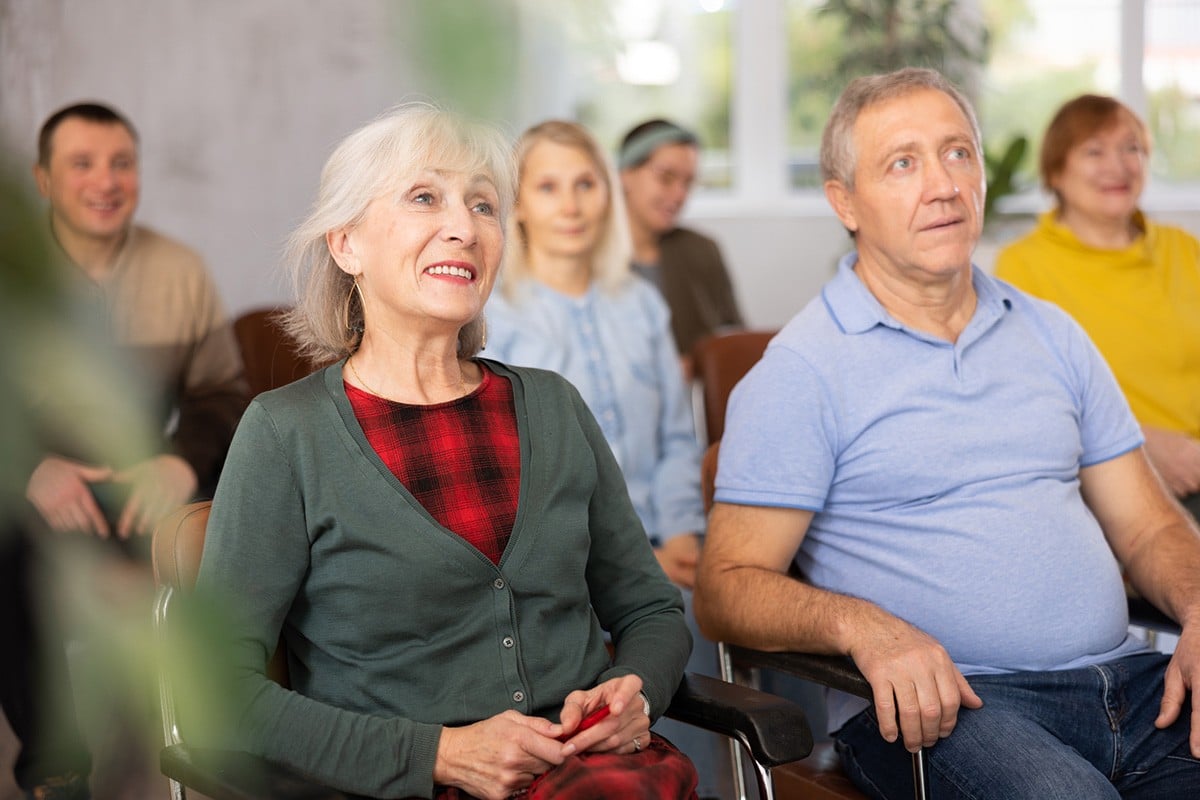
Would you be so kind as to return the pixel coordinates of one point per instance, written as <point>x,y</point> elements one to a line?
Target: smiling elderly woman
<point>441,540</point>
<point>1131,282</point>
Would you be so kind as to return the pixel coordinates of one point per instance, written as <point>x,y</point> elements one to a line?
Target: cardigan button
<point>507,641</point>
<point>498,583</point>
<point>518,696</point>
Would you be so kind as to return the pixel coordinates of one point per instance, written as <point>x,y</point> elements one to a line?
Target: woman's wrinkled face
<point>562,202</point>
<point>1103,175</point>
<point>427,254</point>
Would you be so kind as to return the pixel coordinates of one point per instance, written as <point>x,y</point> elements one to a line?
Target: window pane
<point>1044,53</point>
<point>814,43</point>
<point>830,42</point>
<point>1172,75</point>
<point>670,58</point>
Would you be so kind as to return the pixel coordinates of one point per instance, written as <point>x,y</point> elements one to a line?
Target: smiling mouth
<point>453,271</point>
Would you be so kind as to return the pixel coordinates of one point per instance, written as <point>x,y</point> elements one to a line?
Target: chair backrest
<point>268,354</point>
<point>719,361</point>
<point>708,474</point>
<point>177,547</point>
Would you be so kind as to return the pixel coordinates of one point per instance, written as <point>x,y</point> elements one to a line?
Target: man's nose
<point>939,183</point>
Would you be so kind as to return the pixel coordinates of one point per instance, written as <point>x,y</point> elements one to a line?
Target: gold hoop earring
<point>361,325</point>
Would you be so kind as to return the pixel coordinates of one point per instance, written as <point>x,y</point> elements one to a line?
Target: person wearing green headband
<point>658,161</point>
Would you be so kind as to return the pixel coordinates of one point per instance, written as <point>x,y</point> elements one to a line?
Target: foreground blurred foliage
<point>61,383</point>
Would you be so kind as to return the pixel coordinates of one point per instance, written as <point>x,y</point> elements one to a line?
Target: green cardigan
<point>395,626</point>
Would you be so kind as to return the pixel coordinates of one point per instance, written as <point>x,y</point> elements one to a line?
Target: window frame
<point>758,135</point>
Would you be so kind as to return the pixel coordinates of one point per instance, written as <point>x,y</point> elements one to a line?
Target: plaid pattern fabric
<point>657,772</point>
<point>461,460</point>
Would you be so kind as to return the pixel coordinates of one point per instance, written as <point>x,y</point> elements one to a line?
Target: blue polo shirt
<point>944,477</point>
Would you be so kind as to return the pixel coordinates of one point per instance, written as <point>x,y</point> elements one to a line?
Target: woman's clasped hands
<point>501,755</point>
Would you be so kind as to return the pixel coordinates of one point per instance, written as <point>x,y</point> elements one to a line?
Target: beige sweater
<point>160,308</point>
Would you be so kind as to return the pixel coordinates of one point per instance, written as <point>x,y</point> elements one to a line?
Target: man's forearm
<point>766,610</point>
<point>1166,570</point>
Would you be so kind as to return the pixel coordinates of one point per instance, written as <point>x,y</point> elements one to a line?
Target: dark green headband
<point>639,147</point>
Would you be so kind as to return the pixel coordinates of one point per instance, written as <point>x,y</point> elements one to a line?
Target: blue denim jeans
<point>1084,734</point>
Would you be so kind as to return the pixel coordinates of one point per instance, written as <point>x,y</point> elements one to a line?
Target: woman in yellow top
<point>1133,284</point>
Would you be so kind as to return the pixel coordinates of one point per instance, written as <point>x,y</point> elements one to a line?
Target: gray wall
<point>238,103</point>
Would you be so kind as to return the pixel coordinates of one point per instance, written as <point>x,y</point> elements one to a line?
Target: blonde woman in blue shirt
<point>570,303</point>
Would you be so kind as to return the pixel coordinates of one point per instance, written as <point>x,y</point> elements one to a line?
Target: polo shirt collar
<point>855,310</point>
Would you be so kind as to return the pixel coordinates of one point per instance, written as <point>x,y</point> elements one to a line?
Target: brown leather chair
<point>268,354</point>
<point>772,730</point>
<point>718,362</point>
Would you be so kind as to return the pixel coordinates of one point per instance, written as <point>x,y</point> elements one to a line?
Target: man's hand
<point>60,489</point>
<point>1176,457</point>
<point>917,688</point>
<point>679,557</point>
<point>157,486</point>
<point>625,723</point>
<point>744,585</point>
<point>496,757</point>
<point>1183,676</point>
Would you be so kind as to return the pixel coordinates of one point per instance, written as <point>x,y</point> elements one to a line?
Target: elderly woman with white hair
<point>443,541</point>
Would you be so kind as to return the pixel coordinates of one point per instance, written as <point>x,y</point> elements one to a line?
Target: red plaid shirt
<point>461,460</point>
<point>658,772</point>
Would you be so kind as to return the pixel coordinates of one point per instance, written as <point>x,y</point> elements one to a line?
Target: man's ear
<point>341,247</point>
<point>840,198</point>
<point>42,179</point>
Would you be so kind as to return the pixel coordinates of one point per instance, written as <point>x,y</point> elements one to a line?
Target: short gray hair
<point>838,158</point>
<point>614,251</point>
<point>327,320</point>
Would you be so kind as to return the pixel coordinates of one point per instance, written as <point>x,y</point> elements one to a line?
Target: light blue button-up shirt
<point>615,346</point>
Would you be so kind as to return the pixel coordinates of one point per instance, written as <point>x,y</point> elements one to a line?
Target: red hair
<point>1077,120</point>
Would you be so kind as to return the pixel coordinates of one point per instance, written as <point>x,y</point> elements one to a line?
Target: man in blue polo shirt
<point>954,469</point>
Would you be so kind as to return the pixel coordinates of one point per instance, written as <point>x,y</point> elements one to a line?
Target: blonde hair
<point>327,318</point>
<point>614,251</point>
